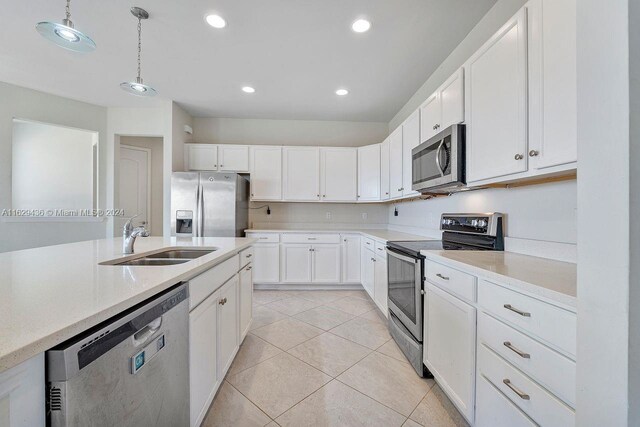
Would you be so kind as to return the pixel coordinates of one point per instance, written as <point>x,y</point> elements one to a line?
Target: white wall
<point>305,215</point>
<point>157,183</point>
<point>486,27</point>
<point>604,154</point>
<point>287,132</point>
<point>19,102</point>
<point>179,118</point>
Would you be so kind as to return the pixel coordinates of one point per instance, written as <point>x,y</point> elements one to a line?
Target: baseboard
<point>308,286</point>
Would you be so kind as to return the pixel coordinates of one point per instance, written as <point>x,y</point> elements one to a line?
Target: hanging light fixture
<point>65,35</point>
<point>137,87</point>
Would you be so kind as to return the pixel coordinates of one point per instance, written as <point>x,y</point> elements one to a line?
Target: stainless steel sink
<point>153,261</point>
<point>170,256</point>
<point>181,253</point>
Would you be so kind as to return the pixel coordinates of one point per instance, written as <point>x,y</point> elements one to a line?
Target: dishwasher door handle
<point>143,335</point>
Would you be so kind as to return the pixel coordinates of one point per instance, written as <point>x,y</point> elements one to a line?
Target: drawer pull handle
<point>249,255</point>
<point>516,351</point>
<point>442,277</point>
<point>263,238</point>
<point>368,243</point>
<point>312,238</point>
<point>520,394</point>
<point>515,310</point>
<point>248,268</point>
<point>379,249</point>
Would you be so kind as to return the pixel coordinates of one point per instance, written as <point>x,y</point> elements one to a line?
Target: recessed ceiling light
<point>248,89</point>
<point>361,26</point>
<point>216,21</point>
<point>342,92</point>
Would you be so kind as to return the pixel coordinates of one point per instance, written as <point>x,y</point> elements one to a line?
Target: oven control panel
<point>484,224</point>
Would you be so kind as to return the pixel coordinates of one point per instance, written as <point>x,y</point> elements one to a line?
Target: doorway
<point>141,182</point>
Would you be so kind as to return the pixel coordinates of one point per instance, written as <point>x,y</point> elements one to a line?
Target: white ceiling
<point>296,53</point>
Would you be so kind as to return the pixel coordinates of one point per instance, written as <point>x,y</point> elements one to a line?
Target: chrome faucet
<point>129,235</point>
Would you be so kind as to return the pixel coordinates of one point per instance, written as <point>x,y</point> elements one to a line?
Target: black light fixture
<point>65,35</point>
<point>137,87</point>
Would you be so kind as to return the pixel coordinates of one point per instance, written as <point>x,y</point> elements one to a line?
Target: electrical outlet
<point>365,216</point>
<point>328,215</point>
<point>395,211</point>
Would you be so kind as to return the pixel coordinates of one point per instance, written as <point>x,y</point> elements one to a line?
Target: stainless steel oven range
<point>406,274</point>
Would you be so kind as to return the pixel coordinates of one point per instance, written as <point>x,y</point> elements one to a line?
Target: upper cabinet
<point>266,172</point>
<point>338,174</point>
<point>369,173</point>
<point>384,170</point>
<point>445,107</point>
<point>214,157</point>
<point>496,98</point>
<point>410,140</point>
<point>552,83</point>
<point>301,172</point>
<point>233,158</point>
<point>200,157</point>
<point>395,163</point>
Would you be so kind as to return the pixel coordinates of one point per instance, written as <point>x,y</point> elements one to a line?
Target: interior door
<point>301,173</point>
<point>395,163</point>
<point>134,194</point>
<point>339,174</point>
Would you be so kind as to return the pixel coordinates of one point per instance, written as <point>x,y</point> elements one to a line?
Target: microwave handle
<point>438,158</point>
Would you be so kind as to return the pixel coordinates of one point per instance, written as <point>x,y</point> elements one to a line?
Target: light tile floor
<point>324,358</point>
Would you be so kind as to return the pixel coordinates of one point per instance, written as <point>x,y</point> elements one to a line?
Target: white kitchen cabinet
<point>227,325</point>
<point>266,263</point>
<point>494,409</point>
<point>410,140</point>
<point>552,83</point>
<point>367,265</point>
<point>245,296</point>
<point>496,103</point>
<point>22,394</point>
<point>301,173</point>
<point>385,193</point>
<point>380,283</point>
<point>338,174</point>
<point>326,263</point>
<point>295,263</point>
<point>445,107</point>
<point>201,157</point>
<point>203,351</point>
<point>233,158</point>
<point>350,258</point>
<point>395,163</point>
<point>369,173</point>
<point>266,172</point>
<point>451,349</point>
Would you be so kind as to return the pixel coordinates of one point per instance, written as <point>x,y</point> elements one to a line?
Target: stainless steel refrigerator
<point>209,204</point>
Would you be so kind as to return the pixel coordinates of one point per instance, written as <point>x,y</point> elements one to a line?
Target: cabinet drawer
<point>368,243</point>
<point>454,281</point>
<point>380,249</point>
<point>200,287</point>
<point>246,256</point>
<point>548,367</point>
<point>551,324</point>
<point>494,409</point>
<point>265,237</point>
<point>310,238</point>
<point>540,405</point>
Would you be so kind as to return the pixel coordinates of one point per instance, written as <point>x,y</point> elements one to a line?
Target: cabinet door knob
<point>533,153</point>
<point>223,301</point>
<point>435,127</point>
<point>221,166</point>
<point>518,157</point>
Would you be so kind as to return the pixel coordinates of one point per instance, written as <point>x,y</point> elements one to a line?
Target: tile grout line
<point>246,397</point>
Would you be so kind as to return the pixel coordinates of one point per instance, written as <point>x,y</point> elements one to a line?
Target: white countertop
<point>52,293</point>
<point>376,234</point>
<point>552,280</point>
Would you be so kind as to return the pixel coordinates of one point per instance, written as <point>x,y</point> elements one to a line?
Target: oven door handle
<point>402,257</point>
<point>438,158</point>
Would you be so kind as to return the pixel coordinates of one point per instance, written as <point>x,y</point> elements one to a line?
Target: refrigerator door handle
<point>196,220</point>
<point>201,216</point>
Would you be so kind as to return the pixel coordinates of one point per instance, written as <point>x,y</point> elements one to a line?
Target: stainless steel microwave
<point>438,165</point>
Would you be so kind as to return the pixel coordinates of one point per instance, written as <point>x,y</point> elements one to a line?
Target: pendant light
<point>65,35</point>
<point>137,87</point>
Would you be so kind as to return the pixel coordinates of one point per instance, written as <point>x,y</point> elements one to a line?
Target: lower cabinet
<point>266,264</point>
<point>22,394</point>
<point>227,332</point>
<point>203,374</point>
<point>295,263</point>
<point>367,265</point>
<point>451,347</point>
<point>325,263</point>
<point>245,293</point>
<point>350,258</point>
<point>381,287</point>
<point>494,409</point>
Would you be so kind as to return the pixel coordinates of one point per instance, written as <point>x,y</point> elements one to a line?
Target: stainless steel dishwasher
<point>132,370</point>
